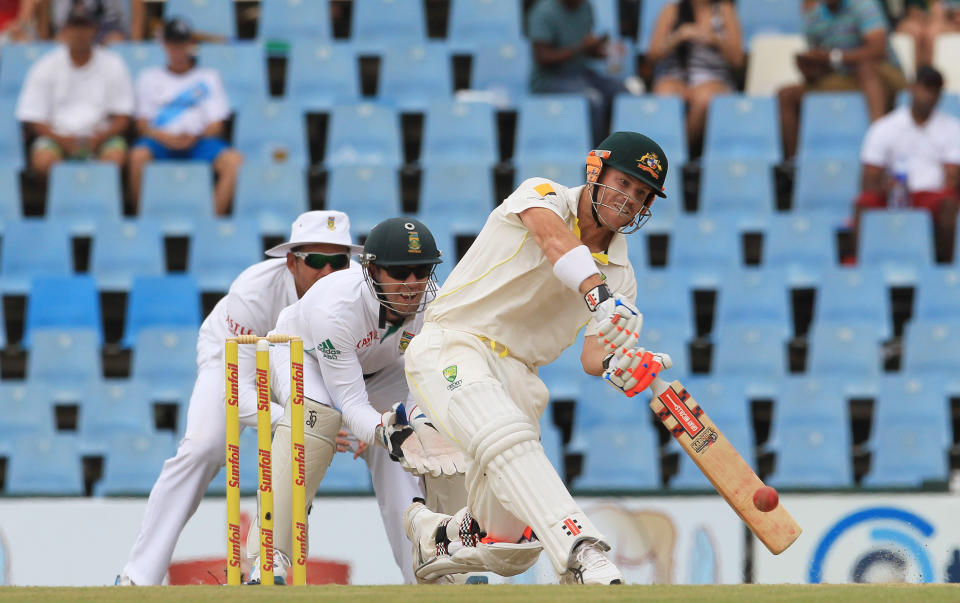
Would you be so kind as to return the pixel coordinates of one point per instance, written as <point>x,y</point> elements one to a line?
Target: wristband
<point>575,266</point>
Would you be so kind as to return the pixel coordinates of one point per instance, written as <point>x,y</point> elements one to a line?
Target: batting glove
<point>634,370</point>
<point>618,321</point>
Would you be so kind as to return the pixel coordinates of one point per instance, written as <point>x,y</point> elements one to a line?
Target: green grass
<point>493,593</point>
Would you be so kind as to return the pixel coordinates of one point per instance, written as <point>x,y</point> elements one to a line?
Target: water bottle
<point>899,194</point>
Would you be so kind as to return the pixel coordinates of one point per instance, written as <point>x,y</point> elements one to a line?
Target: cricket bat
<point>721,463</point>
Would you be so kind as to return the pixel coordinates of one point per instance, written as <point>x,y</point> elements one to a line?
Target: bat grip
<point>658,386</point>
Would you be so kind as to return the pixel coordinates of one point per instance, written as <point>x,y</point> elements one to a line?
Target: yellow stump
<point>298,470</point>
<point>264,462</point>
<point>233,465</point>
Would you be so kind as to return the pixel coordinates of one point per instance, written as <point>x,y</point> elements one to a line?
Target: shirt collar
<point>617,251</point>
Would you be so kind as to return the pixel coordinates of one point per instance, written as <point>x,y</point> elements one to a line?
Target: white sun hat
<point>331,227</point>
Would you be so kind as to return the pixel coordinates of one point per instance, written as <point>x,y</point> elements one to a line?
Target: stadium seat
<point>667,211</point>
<point>377,23</point>
<point>414,75</point>
<point>502,70</point>
<point>552,443</point>
<point>221,250</point>
<point>177,194</point>
<point>666,335</point>
<point>937,296</point>
<point>665,299</point>
<point>563,376</point>
<point>459,132</point>
<point>752,297</point>
<point>898,241</point>
<point>568,173</point>
<point>768,16</point>
<point>16,62</point>
<point>11,135</point>
<point>163,354</point>
<point>704,248</point>
<point>62,302</point>
<point>946,49</point>
<point>772,63</point>
<point>53,258</point>
<point>363,133</point>
<point>840,349</point>
<point>853,296</point>
<point>133,462</point>
<point>749,350</point>
<point>737,186</point>
<point>64,355</point>
<point>601,405</point>
<point>446,233</point>
<point>826,184</point>
<point>649,11</point>
<point>832,125</point>
<point>364,190</point>
<point>552,127</point>
<point>272,130</point>
<point>24,410</point>
<point>123,249</point>
<point>930,347</point>
<point>659,117</point>
<point>742,127</point>
<point>810,434</point>
<point>294,20</point>
<point>11,209</point>
<point>274,194</point>
<point>322,74</point>
<point>346,475</point>
<point>618,456</point>
<point>474,22</point>
<point>801,247</point>
<point>82,193</point>
<point>161,301</point>
<point>242,67</point>
<point>457,193</point>
<point>44,465</point>
<point>116,406</point>
<point>905,50</point>
<point>140,55</point>
<point>216,18</point>
<point>618,64</point>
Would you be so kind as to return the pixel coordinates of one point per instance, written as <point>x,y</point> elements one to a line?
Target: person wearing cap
<point>549,261</point>
<point>915,147</point>
<point>319,246</point>
<point>76,99</point>
<point>109,17</point>
<point>180,114</point>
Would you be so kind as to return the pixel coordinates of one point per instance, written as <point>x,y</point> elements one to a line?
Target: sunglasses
<point>401,273</point>
<point>319,261</point>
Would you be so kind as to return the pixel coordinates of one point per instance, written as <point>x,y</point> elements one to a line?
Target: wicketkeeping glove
<point>436,447</point>
<point>400,441</point>
<point>618,321</point>
<point>634,370</point>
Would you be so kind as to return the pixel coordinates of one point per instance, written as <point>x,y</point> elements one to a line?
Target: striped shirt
<point>846,28</point>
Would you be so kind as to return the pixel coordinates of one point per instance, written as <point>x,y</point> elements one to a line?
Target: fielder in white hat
<point>319,244</point>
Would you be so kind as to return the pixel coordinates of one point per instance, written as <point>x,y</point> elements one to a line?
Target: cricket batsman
<point>549,261</point>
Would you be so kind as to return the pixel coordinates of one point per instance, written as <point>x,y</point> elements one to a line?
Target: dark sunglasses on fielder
<point>401,273</point>
<point>319,261</point>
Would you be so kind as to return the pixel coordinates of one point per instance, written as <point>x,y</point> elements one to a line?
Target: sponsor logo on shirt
<point>405,341</point>
<point>450,374</point>
<point>368,339</point>
<point>236,328</point>
<point>329,351</point>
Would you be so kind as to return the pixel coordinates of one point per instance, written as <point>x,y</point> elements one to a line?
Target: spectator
<point>17,20</point>
<point>694,46</point>
<point>924,20</point>
<point>561,33</point>
<point>108,15</point>
<point>848,50</point>
<point>181,109</point>
<point>921,145</point>
<point>77,99</point>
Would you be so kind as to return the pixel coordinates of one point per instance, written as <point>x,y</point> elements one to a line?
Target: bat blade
<point>720,462</point>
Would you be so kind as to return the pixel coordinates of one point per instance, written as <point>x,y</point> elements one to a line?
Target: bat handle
<point>658,386</point>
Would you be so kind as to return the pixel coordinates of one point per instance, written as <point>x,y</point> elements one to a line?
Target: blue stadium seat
<point>743,127</point>
<point>606,17</point>
<point>502,70</point>
<point>909,442</point>
<point>749,350</point>
<point>62,302</point>
<point>667,336</point>
<point>346,475</point>
<point>363,133</point>
<point>216,18</point>
<point>163,354</point>
<point>659,117</point>
<point>11,209</point>
<point>459,132</point>
<point>663,297</point>
<point>272,130</point>
<point>64,355</point>
<point>52,258</point>
<point>930,347</point>
<point>44,465</point>
<point>122,249</point>
<point>380,22</point>
<point>82,193</point>
<point>563,376</point>
<point>704,248</point>
<point>242,67</point>
<point>737,186</point>
<point>133,462</point>
<point>898,241</point>
<point>810,434</point>
<point>274,194</point>
<point>552,127</point>
<point>161,301</point>
<point>177,194</point>
<point>117,406</point>
<point>649,11</point>
<point>140,55</point>
<point>569,173</point>
<point>457,193</point>
<point>322,74</point>
<point>800,246</point>
<point>754,296</point>
<point>221,250</point>
<point>768,16</point>
<point>294,20</point>
<point>248,467</point>
<point>24,410</point>
<point>552,443</point>
<point>832,124</point>
<point>667,211</point>
<point>618,456</point>
<point>474,22</point>
<point>844,350</point>
<point>937,296</point>
<point>446,232</point>
<point>853,296</point>
<point>11,134</point>
<point>414,75</point>
<point>16,62</point>
<point>826,184</point>
<point>371,190</point>
<point>601,405</point>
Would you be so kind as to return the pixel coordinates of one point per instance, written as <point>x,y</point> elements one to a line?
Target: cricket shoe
<point>588,565</point>
<point>280,565</point>
<point>123,580</point>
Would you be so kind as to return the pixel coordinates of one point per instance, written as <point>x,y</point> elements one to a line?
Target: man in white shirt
<point>181,110</point>
<point>320,244</point>
<point>77,99</point>
<point>920,144</point>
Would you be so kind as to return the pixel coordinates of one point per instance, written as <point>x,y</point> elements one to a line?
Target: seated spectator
<point>109,16</point>
<point>848,50</point>
<point>561,33</point>
<point>924,20</point>
<point>181,109</point>
<point>17,22</point>
<point>911,157</point>
<point>694,46</point>
<point>77,99</point>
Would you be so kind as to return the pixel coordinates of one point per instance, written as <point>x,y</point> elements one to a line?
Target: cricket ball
<point>765,499</point>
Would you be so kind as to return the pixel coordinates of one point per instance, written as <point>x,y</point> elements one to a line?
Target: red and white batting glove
<point>634,370</point>
<point>618,321</point>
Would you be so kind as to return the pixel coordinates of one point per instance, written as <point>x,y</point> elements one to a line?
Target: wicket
<point>265,471</point>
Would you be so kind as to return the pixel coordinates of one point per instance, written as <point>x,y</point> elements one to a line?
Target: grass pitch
<point>493,593</point>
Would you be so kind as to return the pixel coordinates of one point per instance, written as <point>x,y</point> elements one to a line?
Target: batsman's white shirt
<point>504,288</point>
<point>339,322</point>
